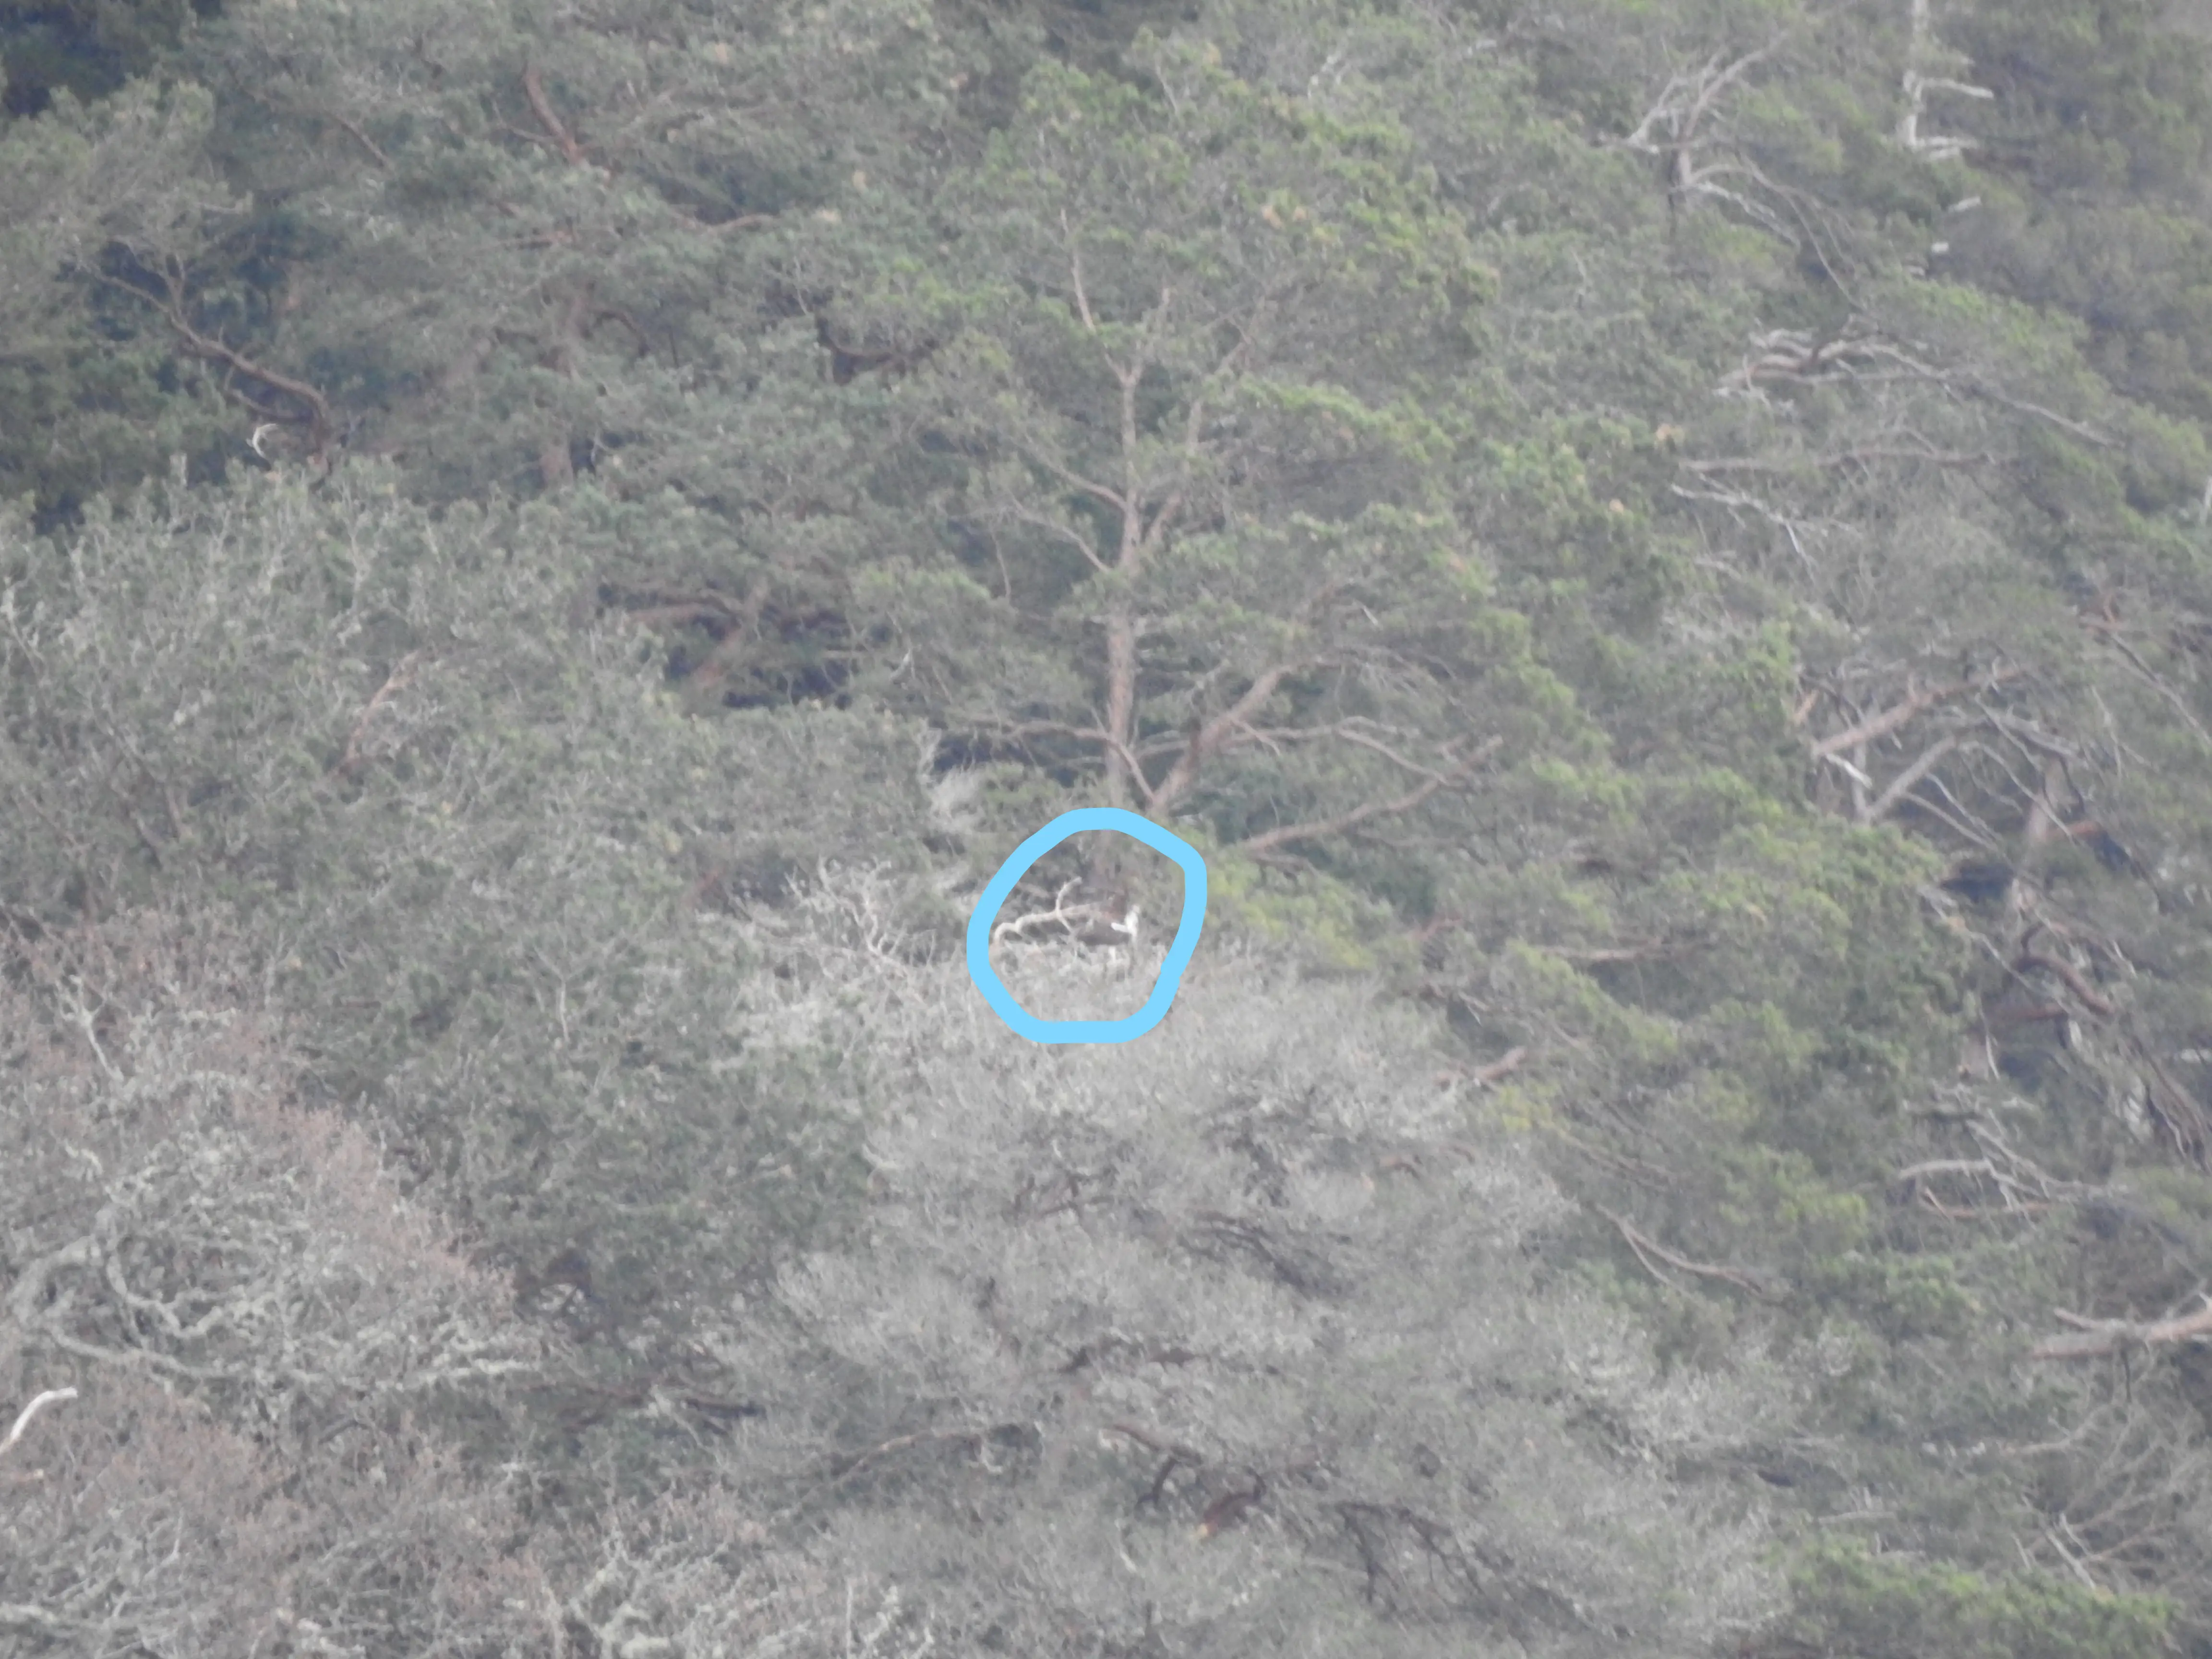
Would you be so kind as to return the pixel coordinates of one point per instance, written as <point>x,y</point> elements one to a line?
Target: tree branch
<point>1858,457</point>
<point>1886,803</point>
<point>1259,845</point>
<point>1915,704</point>
<point>1159,1443</point>
<point>2081,987</point>
<point>2108,1336</point>
<point>1758,1285</point>
<point>214,351</point>
<point>1075,480</point>
<point>1655,949</point>
<point>743,221</point>
<point>1037,520</point>
<point>352,760</point>
<point>30,1620</point>
<point>549,118</point>
<point>2111,636</point>
<point>1075,271</point>
<point>1484,1076</point>
<point>1098,735</point>
<point>38,1403</point>
<point>1215,735</point>
<point>353,131</point>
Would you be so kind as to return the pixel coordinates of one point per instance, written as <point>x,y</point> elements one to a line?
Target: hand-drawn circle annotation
<point>1018,1020</point>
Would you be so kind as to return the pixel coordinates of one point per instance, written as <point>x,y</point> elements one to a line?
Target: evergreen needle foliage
<point>1661,549</point>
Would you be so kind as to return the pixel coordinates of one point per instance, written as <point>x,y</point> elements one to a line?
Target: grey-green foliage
<point>1102,1292</point>
<point>483,856</point>
<point>1664,485</point>
<point>176,1211</point>
<point>256,1344</point>
<point>1183,427</point>
<point>88,403</point>
<point>520,228</point>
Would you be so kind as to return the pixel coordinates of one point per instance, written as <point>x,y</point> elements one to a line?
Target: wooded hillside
<point>1661,550</point>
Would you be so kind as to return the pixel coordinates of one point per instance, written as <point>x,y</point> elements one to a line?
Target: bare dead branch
<point>38,1403</point>
<point>1090,923</point>
<point>2022,406</point>
<point>1685,100</point>
<point>2109,1336</point>
<point>1903,714</point>
<point>2111,636</point>
<point>1158,1442</point>
<point>1914,1174</point>
<point>1898,787</point>
<point>1075,480</point>
<point>743,221</point>
<point>1023,513</point>
<point>1858,457</point>
<point>1955,814</point>
<point>22,1617</point>
<point>2027,736</point>
<point>901,1442</point>
<point>2175,1110</point>
<point>1352,733</point>
<point>1099,735</point>
<point>1635,1170</point>
<point>1503,1065</point>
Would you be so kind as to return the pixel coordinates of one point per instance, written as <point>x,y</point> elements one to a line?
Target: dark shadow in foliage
<point>87,47</point>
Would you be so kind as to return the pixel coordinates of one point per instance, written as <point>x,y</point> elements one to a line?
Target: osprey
<point>1105,922</point>
<point>1098,924</point>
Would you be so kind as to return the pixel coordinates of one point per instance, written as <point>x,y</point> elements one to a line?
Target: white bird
<point>1101,928</point>
<point>1109,921</point>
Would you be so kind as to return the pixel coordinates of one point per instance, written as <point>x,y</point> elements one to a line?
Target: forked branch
<point>1915,704</point>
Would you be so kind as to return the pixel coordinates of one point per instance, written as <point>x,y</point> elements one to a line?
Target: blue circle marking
<point>1018,1020</point>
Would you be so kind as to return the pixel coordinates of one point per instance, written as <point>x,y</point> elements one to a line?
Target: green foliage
<point>1307,913</point>
<point>86,49</point>
<point>1883,1605</point>
<point>1904,1298</point>
<point>485,856</point>
<point>1592,513</point>
<point>2105,119</point>
<point>91,397</point>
